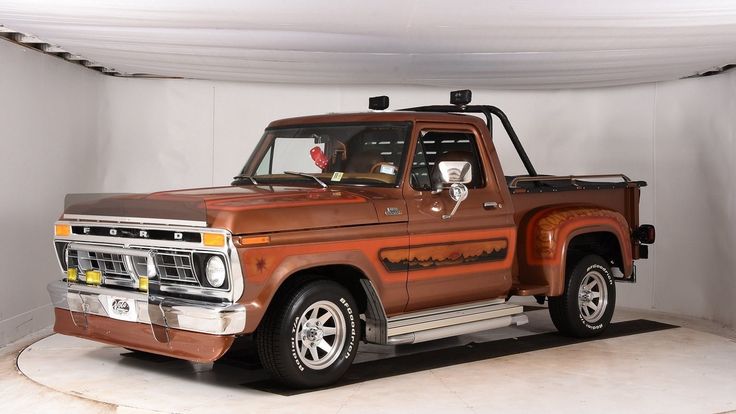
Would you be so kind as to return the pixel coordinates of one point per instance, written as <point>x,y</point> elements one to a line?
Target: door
<point>469,256</point>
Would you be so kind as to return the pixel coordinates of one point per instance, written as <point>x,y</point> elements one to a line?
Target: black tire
<point>585,312</point>
<point>288,356</point>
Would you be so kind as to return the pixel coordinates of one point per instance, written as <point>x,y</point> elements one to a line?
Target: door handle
<point>492,205</point>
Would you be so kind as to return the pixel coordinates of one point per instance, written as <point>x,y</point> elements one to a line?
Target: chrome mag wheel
<point>320,335</point>
<point>593,296</point>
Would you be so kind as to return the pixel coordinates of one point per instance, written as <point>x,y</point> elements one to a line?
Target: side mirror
<point>458,194</point>
<point>452,172</point>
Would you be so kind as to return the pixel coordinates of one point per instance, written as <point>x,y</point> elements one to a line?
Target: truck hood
<point>241,210</point>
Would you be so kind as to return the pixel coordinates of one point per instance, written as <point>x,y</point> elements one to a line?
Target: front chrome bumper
<point>159,312</point>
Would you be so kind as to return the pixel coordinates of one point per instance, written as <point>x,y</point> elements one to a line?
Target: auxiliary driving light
<point>71,275</point>
<point>213,239</point>
<point>462,97</point>
<point>215,271</point>
<point>62,229</point>
<point>93,277</point>
<point>143,284</point>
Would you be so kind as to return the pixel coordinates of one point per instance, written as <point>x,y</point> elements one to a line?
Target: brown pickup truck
<point>384,227</point>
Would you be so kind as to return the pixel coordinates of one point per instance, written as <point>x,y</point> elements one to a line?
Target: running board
<point>452,321</point>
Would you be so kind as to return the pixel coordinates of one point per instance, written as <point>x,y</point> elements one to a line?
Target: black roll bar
<point>486,110</point>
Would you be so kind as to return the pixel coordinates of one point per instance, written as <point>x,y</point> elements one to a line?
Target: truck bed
<point>530,193</point>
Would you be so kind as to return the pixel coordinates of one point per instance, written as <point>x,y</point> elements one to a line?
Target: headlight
<point>215,271</point>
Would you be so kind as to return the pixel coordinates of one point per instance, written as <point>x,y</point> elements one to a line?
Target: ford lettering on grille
<point>138,233</point>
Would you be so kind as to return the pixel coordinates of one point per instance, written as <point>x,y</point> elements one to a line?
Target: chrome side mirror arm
<point>458,194</point>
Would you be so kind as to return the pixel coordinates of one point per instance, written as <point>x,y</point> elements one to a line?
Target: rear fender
<point>547,238</point>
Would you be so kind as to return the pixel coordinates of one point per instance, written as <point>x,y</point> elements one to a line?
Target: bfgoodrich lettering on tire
<point>586,307</point>
<point>311,336</point>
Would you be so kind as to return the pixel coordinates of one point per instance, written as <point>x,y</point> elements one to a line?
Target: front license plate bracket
<point>124,309</point>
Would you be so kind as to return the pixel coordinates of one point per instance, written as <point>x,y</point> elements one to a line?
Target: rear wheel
<point>311,337</point>
<point>586,307</point>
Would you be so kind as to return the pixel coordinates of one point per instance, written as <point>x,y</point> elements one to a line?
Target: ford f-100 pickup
<point>388,227</point>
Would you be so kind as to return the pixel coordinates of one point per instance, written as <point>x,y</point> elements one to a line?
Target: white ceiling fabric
<point>529,44</point>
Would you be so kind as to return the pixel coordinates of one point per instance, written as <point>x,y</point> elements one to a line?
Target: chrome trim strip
<point>572,178</point>
<point>237,276</point>
<point>141,243</point>
<point>447,309</point>
<point>174,313</point>
<point>447,317</point>
<point>136,220</point>
<point>96,248</point>
<point>455,330</point>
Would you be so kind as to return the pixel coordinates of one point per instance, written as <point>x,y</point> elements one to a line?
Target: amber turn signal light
<point>213,239</point>
<point>251,241</point>
<point>62,229</point>
<point>71,275</point>
<point>93,277</point>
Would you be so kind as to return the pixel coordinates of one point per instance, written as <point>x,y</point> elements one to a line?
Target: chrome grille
<point>174,266</point>
<point>110,265</point>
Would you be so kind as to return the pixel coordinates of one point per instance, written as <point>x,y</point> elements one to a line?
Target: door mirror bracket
<point>458,194</point>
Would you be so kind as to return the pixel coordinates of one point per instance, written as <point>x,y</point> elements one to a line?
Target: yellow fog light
<point>93,277</point>
<point>213,239</point>
<point>143,284</point>
<point>71,275</point>
<point>62,229</point>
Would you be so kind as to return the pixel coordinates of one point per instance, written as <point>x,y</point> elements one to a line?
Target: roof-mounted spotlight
<point>461,97</point>
<point>378,103</point>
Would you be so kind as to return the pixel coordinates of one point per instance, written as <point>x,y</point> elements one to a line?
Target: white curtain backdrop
<point>529,44</point>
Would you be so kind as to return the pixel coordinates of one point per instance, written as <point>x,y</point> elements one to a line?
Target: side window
<point>435,146</point>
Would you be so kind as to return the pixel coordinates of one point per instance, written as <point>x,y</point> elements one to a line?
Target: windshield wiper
<point>301,174</point>
<point>246,177</point>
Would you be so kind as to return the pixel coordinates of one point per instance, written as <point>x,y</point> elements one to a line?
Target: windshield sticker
<point>336,176</point>
<point>388,169</point>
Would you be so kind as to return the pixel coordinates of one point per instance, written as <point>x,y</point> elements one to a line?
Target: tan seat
<point>456,156</point>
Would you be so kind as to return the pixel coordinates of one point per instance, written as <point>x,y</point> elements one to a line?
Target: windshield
<point>365,154</point>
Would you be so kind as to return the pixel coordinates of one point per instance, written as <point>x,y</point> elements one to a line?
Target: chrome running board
<point>452,321</point>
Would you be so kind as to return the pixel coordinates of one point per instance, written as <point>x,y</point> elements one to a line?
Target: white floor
<point>691,369</point>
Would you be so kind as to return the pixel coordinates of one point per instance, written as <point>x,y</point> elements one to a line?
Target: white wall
<point>147,134</point>
<point>695,199</point>
<point>48,130</point>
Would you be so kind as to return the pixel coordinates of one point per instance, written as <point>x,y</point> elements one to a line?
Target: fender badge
<point>393,211</point>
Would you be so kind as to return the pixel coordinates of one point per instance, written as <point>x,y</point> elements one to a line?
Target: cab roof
<point>380,116</point>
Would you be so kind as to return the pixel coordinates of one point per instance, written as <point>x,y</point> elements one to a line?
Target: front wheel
<point>311,337</point>
<point>586,307</point>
